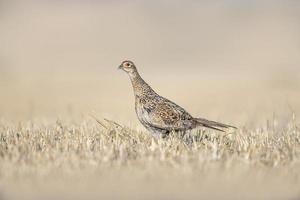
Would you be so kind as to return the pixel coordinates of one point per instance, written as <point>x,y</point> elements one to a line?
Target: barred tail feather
<point>212,125</point>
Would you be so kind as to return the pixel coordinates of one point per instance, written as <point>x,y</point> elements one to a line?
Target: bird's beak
<point>120,67</point>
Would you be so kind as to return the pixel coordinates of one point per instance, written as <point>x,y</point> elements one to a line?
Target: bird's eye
<point>127,64</point>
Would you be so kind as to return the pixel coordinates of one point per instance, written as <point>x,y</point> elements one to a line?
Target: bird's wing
<point>164,114</point>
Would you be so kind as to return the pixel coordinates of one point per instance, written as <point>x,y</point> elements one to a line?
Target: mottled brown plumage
<point>158,114</point>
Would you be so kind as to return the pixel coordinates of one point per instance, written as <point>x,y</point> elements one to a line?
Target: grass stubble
<point>101,159</point>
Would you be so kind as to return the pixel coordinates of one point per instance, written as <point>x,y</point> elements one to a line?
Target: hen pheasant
<point>158,114</point>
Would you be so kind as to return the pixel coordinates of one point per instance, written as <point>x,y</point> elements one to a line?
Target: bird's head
<point>128,66</point>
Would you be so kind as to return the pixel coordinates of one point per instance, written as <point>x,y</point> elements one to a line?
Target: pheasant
<point>159,115</point>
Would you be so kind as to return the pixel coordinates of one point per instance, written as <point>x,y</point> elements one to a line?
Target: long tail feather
<point>213,125</point>
<point>207,126</point>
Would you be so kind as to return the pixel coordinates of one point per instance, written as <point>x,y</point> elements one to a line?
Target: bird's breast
<point>142,113</point>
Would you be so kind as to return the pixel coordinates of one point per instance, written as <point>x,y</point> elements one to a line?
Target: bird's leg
<point>188,138</point>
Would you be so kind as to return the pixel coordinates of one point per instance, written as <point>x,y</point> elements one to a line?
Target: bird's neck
<point>140,87</point>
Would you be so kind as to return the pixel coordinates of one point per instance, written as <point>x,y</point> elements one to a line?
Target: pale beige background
<point>235,61</point>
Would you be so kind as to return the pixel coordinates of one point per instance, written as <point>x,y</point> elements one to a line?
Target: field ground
<point>67,160</point>
<point>51,148</point>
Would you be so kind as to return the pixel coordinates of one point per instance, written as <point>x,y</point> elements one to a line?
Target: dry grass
<point>89,160</point>
<point>77,157</point>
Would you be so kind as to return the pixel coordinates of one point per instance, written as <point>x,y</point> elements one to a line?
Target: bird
<point>159,115</point>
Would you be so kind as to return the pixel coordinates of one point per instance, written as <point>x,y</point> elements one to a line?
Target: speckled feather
<point>158,114</point>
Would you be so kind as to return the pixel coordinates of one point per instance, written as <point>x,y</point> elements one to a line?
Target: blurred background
<point>236,61</point>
